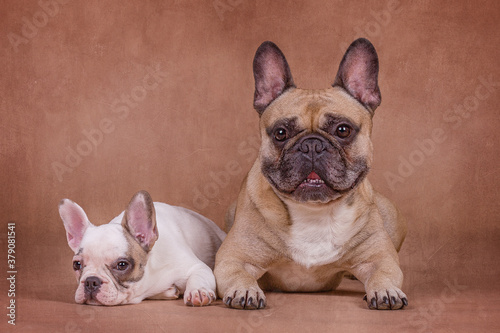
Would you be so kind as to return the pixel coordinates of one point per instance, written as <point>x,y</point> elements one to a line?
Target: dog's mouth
<point>313,189</point>
<point>93,301</point>
<point>312,181</point>
<point>91,298</point>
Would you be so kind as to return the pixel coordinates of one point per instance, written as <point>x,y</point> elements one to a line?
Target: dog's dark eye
<point>122,265</point>
<point>280,134</point>
<point>77,265</point>
<point>343,131</point>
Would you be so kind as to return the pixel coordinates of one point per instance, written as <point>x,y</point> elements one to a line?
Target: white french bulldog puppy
<point>116,263</point>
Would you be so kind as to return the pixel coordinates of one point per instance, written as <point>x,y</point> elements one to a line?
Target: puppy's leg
<point>170,293</point>
<point>200,286</point>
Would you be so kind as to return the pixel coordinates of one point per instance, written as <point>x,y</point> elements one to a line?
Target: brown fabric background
<point>188,135</point>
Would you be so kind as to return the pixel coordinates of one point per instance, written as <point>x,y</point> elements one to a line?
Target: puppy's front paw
<point>248,299</point>
<point>386,299</point>
<point>199,297</point>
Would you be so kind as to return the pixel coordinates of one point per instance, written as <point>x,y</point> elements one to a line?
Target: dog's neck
<point>319,233</point>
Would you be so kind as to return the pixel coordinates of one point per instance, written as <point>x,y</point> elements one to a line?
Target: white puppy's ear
<point>140,220</point>
<point>75,222</point>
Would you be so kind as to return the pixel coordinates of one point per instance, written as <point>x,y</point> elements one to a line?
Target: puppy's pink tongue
<point>313,176</point>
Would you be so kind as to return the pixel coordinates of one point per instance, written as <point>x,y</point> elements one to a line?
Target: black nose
<point>312,144</point>
<point>92,284</point>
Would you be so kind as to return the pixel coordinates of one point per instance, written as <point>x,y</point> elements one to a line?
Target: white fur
<point>318,233</point>
<point>178,263</point>
<point>95,258</point>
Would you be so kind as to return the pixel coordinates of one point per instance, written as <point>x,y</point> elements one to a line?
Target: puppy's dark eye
<point>121,265</point>
<point>280,134</point>
<point>343,131</point>
<point>77,265</point>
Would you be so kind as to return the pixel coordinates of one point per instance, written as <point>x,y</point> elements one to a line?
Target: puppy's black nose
<point>312,144</point>
<point>92,284</point>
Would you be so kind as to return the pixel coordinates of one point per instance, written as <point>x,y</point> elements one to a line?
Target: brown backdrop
<point>100,99</point>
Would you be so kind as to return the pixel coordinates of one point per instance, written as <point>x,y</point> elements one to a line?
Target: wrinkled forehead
<point>312,107</point>
<point>105,241</point>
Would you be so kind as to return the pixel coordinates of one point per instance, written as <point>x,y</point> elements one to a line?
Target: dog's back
<point>202,235</point>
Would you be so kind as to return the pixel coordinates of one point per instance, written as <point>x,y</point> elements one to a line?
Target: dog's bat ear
<point>272,75</point>
<point>140,220</point>
<point>75,222</point>
<point>358,73</point>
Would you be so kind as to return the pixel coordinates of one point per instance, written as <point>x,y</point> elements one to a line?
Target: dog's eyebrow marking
<point>80,250</point>
<point>335,119</point>
<point>289,123</point>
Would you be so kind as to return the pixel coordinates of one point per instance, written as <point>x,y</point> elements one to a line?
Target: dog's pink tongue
<point>313,176</point>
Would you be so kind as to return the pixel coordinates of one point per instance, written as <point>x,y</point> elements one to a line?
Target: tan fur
<point>257,255</point>
<point>139,257</point>
<point>137,254</point>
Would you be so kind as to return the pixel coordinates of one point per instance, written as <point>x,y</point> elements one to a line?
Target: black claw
<point>365,298</point>
<point>393,299</point>
<point>405,301</point>
<point>373,303</point>
<point>385,300</point>
<point>261,304</point>
<point>249,301</point>
<point>242,302</point>
<point>228,301</point>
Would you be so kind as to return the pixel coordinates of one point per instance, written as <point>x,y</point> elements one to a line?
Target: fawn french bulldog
<point>151,250</point>
<point>306,214</point>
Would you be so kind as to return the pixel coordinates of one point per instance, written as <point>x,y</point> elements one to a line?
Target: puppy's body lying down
<point>151,250</point>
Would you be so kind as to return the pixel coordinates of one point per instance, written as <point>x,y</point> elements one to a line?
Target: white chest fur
<point>318,234</point>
